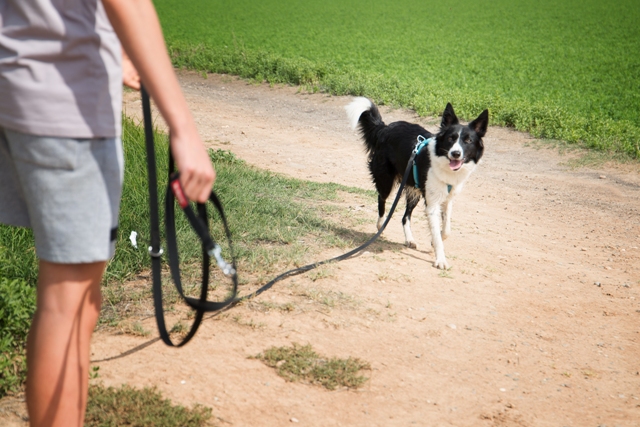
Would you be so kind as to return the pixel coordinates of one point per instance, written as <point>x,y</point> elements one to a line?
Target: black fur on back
<point>390,148</point>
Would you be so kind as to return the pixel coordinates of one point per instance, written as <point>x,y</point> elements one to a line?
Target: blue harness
<point>422,142</point>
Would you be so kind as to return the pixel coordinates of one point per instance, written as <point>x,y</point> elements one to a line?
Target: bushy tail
<point>361,111</point>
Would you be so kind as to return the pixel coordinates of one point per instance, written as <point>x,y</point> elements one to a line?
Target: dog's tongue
<point>455,164</point>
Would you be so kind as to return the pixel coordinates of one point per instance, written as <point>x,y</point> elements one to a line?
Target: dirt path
<point>516,334</point>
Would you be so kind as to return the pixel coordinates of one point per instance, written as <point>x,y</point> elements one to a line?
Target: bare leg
<point>68,306</point>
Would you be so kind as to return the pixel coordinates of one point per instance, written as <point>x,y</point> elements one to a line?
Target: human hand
<point>192,160</point>
<point>130,76</point>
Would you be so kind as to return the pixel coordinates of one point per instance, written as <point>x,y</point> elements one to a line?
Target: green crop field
<point>563,69</point>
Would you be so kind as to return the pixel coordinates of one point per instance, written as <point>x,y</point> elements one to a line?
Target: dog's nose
<point>456,154</point>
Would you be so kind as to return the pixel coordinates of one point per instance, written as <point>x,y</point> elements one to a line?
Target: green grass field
<point>565,69</point>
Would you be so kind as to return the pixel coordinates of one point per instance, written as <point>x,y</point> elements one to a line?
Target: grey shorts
<point>67,190</point>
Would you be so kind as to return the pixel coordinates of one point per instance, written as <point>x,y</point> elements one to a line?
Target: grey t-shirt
<point>60,69</point>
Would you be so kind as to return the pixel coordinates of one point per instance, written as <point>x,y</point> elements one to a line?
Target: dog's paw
<point>411,245</point>
<point>441,264</point>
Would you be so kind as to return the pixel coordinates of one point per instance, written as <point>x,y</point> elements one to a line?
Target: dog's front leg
<point>434,213</point>
<point>446,216</point>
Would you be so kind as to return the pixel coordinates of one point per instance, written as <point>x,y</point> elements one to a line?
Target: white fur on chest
<point>440,176</point>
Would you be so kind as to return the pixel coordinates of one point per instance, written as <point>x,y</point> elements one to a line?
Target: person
<point>61,167</point>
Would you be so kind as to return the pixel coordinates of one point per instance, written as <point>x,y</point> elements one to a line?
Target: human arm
<point>138,28</point>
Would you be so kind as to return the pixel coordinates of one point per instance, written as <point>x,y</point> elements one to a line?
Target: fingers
<point>192,160</point>
<point>131,80</point>
<point>197,184</point>
<point>130,76</point>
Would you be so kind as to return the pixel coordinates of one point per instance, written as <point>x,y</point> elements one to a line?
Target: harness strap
<point>422,142</point>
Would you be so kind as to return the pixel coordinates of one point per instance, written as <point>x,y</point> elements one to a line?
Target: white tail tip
<point>355,109</point>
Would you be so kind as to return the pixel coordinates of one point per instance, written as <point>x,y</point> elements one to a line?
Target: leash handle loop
<point>198,222</point>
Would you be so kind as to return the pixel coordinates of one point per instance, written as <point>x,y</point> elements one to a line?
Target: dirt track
<point>516,334</point>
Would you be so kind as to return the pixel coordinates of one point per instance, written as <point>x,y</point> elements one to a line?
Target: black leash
<point>349,254</point>
<point>209,248</point>
<point>200,225</point>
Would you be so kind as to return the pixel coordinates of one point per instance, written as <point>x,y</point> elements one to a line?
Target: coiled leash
<point>200,225</point>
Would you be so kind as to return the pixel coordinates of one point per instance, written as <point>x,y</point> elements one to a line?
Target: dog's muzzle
<point>455,160</point>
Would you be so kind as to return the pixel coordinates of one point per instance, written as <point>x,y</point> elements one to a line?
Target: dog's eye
<point>453,138</point>
<point>467,140</point>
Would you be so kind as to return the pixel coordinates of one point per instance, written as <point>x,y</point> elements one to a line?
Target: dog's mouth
<point>455,164</point>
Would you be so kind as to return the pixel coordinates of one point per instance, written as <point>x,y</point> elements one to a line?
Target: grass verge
<point>300,363</point>
<point>276,223</point>
<point>268,213</point>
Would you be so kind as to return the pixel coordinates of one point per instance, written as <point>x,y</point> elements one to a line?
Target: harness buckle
<point>226,268</point>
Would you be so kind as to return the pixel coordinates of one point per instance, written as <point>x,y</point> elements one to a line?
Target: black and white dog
<point>441,167</point>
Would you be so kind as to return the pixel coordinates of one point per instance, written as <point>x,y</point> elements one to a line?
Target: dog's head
<point>461,144</point>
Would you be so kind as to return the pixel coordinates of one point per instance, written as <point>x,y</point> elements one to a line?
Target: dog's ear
<point>448,117</point>
<point>479,125</point>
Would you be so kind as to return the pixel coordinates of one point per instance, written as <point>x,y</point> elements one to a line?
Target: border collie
<point>442,166</point>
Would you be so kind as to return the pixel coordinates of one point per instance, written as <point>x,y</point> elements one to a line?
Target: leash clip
<point>420,144</point>
<point>226,268</point>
